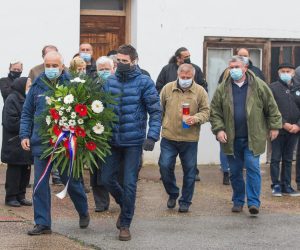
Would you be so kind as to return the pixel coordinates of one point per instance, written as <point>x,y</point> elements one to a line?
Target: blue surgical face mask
<point>103,74</point>
<point>246,60</point>
<point>285,77</point>
<point>85,56</point>
<point>185,83</point>
<point>236,74</point>
<point>52,73</point>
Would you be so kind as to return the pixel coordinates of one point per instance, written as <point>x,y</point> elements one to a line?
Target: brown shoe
<point>236,209</point>
<point>124,234</point>
<point>118,224</point>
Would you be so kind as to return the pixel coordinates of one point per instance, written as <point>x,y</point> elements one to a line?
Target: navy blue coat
<point>34,106</point>
<point>136,96</point>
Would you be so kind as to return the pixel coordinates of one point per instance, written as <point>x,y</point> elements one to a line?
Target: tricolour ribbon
<point>72,153</point>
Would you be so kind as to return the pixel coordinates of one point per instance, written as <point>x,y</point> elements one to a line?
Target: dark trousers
<point>124,195</point>
<point>42,196</point>
<point>17,179</point>
<point>100,193</point>
<point>187,152</point>
<point>282,150</point>
<point>298,163</point>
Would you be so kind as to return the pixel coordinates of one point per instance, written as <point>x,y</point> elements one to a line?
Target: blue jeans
<point>224,161</point>
<point>282,149</point>
<point>124,195</point>
<point>244,157</point>
<point>188,156</point>
<point>42,196</point>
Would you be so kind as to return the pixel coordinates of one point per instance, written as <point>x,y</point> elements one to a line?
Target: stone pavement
<point>209,224</point>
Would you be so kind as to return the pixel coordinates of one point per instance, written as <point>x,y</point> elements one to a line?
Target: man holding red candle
<point>185,107</point>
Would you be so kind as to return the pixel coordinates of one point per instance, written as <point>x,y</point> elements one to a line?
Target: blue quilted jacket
<point>34,105</point>
<point>136,96</point>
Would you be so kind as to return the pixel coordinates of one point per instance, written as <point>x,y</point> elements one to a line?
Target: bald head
<point>243,52</point>
<point>53,59</point>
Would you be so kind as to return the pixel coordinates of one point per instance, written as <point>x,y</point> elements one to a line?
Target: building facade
<point>211,30</point>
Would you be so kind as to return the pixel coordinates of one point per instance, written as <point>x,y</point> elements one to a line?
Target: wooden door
<point>104,33</point>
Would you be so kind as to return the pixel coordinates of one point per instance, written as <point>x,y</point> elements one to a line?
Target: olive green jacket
<point>261,111</point>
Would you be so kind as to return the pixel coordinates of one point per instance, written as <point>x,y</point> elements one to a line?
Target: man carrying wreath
<point>136,97</point>
<point>35,105</point>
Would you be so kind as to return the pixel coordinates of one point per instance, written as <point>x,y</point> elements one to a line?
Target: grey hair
<point>186,67</point>
<point>237,59</point>
<point>103,60</point>
<point>55,53</point>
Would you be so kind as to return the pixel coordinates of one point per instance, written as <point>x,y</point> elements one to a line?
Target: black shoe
<point>197,177</point>
<point>101,209</point>
<point>183,208</point>
<point>253,210</point>
<point>84,221</point>
<point>236,209</point>
<point>298,186</point>
<point>39,229</point>
<point>13,203</point>
<point>171,203</point>
<point>25,202</point>
<point>57,182</point>
<point>226,180</point>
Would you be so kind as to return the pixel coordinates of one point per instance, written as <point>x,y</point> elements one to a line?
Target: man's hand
<point>295,129</point>
<point>273,134</point>
<point>25,143</point>
<point>222,136</point>
<point>287,126</point>
<point>190,120</point>
<point>148,145</point>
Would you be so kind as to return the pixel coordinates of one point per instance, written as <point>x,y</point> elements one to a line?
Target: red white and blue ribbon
<point>72,152</point>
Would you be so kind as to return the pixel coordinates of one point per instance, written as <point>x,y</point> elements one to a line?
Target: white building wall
<point>27,26</point>
<point>165,25</point>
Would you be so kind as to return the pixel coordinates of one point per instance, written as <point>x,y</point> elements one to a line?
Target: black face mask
<point>14,74</point>
<point>123,67</point>
<point>187,60</point>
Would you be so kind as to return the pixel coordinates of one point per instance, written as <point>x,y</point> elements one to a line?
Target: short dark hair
<point>127,49</point>
<point>48,46</point>
<point>112,52</point>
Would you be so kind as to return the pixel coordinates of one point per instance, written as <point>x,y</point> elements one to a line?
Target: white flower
<point>60,112</point>
<point>69,109</point>
<point>80,121</point>
<point>73,115</point>
<point>77,79</point>
<point>68,99</point>
<point>98,128</point>
<point>72,122</point>
<point>66,125</point>
<point>97,106</point>
<point>64,118</point>
<point>48,120</point>
<point>59,99</point>
<point>62,108</point>
<point>61,123</point>
<point>48,100</point>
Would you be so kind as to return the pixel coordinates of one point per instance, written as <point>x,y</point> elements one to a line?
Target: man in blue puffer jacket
<point>135,97</point>
<point>34,105</point>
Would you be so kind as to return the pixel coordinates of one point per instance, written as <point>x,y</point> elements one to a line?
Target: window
<point>102,5</point>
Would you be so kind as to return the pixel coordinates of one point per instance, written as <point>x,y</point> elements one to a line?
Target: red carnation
<point>56,130</point>
<point>52,143</point>
<point>81,109</point>
<point>54,114</point>
<point>79,131</point>
<point>91,145</point>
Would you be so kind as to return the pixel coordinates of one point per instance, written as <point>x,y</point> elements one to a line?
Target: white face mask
<point>185,83</point>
